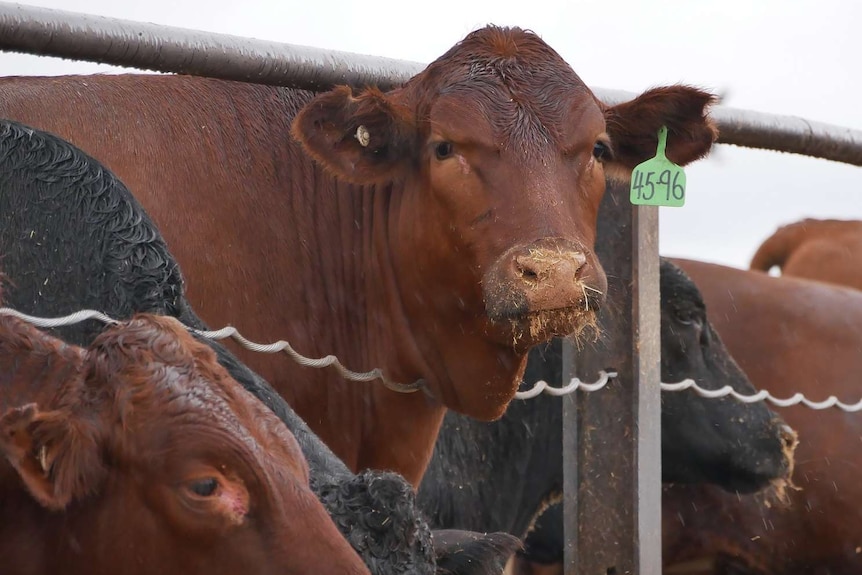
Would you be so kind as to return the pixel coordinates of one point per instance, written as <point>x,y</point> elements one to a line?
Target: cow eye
<point>443,150</point>
<point>204,487</point>
<point>687,317</point>
<point>602,151</point>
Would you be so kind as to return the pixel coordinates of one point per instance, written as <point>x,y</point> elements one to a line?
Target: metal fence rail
<point>46,32</point>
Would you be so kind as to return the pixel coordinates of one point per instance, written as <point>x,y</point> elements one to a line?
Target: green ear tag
<point>658,181</point>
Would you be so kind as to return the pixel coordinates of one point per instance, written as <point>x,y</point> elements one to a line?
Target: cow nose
<point>534,269</point>
<point>549,277</point>
<point>549,287</point>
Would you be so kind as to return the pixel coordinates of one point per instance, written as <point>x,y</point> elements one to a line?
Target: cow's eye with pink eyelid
<point>443,150</point>
<point>204,487</point>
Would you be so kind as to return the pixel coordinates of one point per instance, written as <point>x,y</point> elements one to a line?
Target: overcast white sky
<point>782,56</point>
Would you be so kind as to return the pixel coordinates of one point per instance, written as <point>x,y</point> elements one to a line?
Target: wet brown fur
<point>96,445</point>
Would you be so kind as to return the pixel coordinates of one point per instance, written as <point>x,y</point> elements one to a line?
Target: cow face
<point>741,447</point>
<point>160,461</point>
<point>495,159</point>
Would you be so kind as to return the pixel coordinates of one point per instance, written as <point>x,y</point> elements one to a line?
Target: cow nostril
<point>541,265</point>
<point>788,436</point>
<point>579,259</point>
<point>530,269</point>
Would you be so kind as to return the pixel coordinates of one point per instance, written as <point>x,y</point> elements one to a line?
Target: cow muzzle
<point>552,287</point>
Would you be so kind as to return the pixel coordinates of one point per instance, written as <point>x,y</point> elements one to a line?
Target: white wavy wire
<point>543,386</point>
<point>539,387</point>
<point>226,332</point>
<point>604,377</point>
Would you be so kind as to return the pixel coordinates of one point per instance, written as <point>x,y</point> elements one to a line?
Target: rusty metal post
<point>612,438</point>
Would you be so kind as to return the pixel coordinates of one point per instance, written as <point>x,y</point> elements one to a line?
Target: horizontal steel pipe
<point>46,32</point>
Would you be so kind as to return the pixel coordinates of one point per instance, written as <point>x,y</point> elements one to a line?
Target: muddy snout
<point>543,271</point>
<point>545,277</point>
<point>788,438</point>
<point>787,442</point>
<point>770,461</point>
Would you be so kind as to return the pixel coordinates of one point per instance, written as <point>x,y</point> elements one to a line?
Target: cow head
<point>159,461</point>
<point>742,447</point>
<point>493,162</point>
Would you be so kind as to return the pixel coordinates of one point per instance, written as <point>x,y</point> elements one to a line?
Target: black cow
<point>497,476</point>
<point>72,236</point>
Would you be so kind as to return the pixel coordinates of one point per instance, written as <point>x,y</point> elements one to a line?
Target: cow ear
<point>362,139</point>
<point>56,453</point>
<point>633,128</point>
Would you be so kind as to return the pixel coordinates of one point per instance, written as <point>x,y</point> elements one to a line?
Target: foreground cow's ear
<point>55,453</point>
<point>633,127</point>
<point>362,139</point>
<point>470,553</point>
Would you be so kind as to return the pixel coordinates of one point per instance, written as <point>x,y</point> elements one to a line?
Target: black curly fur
<point>378,514</point>
<point>71,234</point>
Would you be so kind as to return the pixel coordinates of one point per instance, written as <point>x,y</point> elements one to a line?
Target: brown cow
<point>445,228</point>
<point>824,250</point>
<point>140,454</point>
<point>789,335</point>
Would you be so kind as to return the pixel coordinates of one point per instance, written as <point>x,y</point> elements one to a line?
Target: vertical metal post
<point>612,438</point>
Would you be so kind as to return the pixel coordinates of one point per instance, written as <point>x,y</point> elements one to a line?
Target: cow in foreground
<point>140,454</point>
<point>437,231</point>
<point>72,237</point>
<point>501,476</point>
<point>790,335</point>
<point>823,250</point>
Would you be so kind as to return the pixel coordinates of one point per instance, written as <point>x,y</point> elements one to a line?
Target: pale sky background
<point>781,56</point>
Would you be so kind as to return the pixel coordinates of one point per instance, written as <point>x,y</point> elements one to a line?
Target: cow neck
<point>439,334</point>
<point>342,275</point>
<point>402,427</point>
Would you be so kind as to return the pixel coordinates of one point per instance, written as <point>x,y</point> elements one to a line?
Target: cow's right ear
<point>633,127</point>
<point>361,139</point>
<point>56,453</point>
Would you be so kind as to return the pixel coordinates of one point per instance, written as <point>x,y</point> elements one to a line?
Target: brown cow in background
<point>141,455</point>
<point>823,250</point>
<point>789,335</point>
<point>446,227</point>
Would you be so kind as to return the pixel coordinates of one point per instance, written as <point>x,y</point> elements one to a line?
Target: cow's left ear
<point>633,128</point>
<point>362,139</point>
<point>56,453</point>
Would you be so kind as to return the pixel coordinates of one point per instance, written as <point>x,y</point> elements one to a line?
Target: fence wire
<point>538,388</point>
